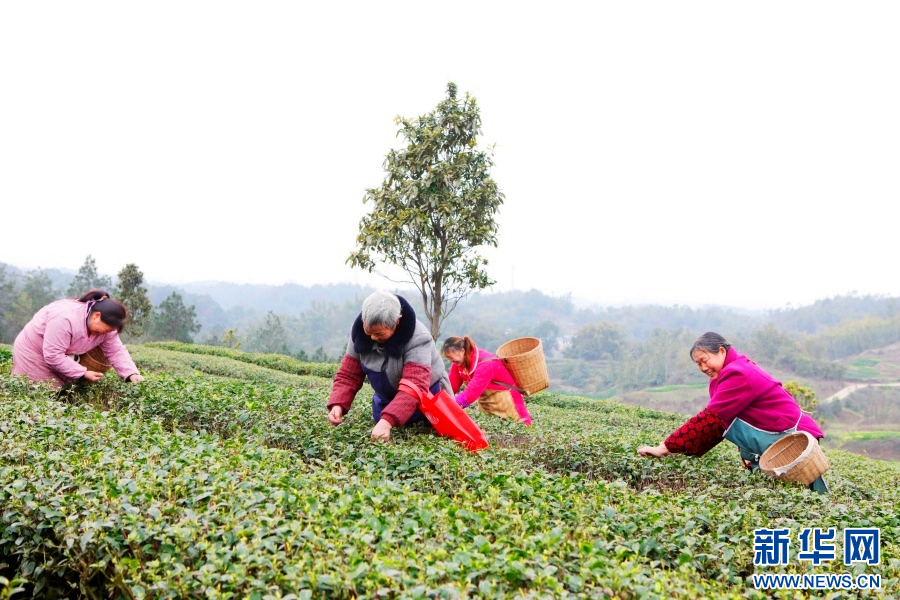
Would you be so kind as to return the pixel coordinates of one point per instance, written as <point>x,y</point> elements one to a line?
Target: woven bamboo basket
<point>524,357</point>
<point>796,457</point>
<point>95,360</point>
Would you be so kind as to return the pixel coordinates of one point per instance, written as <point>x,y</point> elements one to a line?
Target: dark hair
<point>112,312</point>
<point>464,343</point>
<point>711,342</point>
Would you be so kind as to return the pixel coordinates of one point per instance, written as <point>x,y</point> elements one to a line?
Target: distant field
<point>672,388</point>
<point>880,364</point>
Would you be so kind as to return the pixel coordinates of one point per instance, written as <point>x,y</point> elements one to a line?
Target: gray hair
<point>381,308</point>
<point>711,342</point>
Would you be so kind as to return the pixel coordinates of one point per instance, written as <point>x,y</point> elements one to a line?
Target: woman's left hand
<point>136,377</point>
<point>381,432</point>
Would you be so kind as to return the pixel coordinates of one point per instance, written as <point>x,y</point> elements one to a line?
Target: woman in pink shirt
<point>487,380</point>
<point>747,407</point>
<point>46,349</point>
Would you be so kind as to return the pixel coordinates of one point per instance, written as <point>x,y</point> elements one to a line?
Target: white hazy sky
<point>738,153</point>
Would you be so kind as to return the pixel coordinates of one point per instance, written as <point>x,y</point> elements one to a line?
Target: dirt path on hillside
<point>841,394</point>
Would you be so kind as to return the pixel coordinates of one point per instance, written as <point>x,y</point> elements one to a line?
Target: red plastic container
<point>447,417</point>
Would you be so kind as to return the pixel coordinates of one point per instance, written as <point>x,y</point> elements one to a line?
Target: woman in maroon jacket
<point>747,406</point>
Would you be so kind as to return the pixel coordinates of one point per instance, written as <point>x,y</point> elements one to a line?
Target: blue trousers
<point>378,405</point>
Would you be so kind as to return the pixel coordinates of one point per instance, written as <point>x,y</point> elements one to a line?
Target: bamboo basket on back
<point>524,358</point>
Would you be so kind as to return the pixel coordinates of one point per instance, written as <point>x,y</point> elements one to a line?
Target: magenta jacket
<point>480,377</point>
<point>44,349</point>
<point>744,390</point>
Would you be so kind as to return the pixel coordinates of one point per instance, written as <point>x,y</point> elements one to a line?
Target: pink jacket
<point>744,390</point>
<point>44,349</point>
<point>480,377</point>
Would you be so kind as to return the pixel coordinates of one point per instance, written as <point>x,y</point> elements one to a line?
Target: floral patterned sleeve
<point>698,436</point>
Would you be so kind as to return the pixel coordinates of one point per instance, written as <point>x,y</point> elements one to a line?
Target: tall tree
<point>134,296</point>
<point>87,278</point>
<point>172,320</point>
<point>435,208</point>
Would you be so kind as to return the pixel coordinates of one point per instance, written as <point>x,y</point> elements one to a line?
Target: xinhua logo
<point>862,545</point>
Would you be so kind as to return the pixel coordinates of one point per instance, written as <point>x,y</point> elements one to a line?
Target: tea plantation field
<point>219,477</point>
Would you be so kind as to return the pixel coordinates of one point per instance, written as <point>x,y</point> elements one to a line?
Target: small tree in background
<point>134,296</point>
<point>804,396</point>
<point>172,320</point>
<point>595,341</point>
<point>87,278</point>
<point>270,337</point>
<point>230,339</point>
<point>7,298</point>
<point>36,292</point>
<point>435,208</point>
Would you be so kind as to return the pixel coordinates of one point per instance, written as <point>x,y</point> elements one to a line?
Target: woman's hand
<point>336,415</point>
<point>657,451</point>
<point>135,378</point>
<point>381,432</point>
<point>92,375</point>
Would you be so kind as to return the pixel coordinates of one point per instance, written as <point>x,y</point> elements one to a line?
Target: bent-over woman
<point>387,344</point>
<point>487,380</point>
<point>747,407</point>
<point>47,347</point>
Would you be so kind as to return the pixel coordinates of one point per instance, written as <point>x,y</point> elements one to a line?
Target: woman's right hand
<point>92,375</point>
<point>336,415</point>
<point>657,451</point>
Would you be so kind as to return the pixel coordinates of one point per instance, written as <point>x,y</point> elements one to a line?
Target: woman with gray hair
<point>747,407</point>
<point>387,344</point>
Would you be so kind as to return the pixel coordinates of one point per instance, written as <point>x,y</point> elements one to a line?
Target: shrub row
<point>279,362</point>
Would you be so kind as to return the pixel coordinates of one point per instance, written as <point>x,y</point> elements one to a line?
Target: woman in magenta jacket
<point>487,380</point>
<point>46,348</point>
<point>747,407</point>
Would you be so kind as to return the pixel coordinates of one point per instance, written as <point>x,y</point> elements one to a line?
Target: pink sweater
<point>742,389</point>
<point>480,377</point>
<point>44,349</point>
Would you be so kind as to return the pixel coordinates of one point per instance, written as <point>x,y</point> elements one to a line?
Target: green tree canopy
<point>87,278</point>
<point>596,340</point>
<point>134,296</point>
<point>172,320</point>
<point>435,208</point>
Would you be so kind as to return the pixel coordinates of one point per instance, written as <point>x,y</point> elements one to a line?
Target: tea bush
<point>194,483</point>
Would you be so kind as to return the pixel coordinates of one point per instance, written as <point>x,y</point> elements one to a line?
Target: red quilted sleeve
<point>401,408</point>
<point>348,381</point>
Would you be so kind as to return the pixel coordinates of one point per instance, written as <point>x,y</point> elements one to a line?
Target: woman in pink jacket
<point>487,380</point>
<point>747,407</point>
<point>46,349</point>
